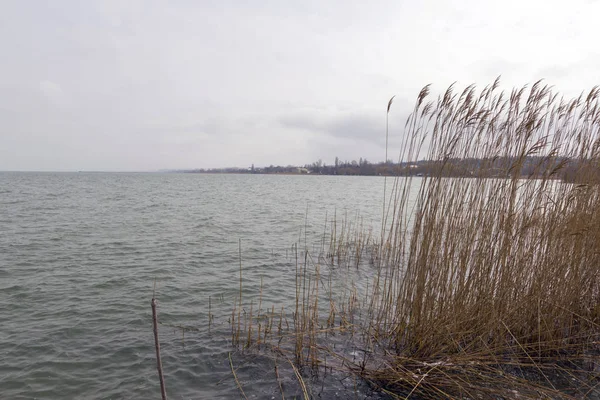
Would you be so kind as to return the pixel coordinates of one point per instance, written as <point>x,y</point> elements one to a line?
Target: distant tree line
<point>500,167</point>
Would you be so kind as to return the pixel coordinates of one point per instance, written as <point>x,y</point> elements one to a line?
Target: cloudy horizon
<point>151,85</point>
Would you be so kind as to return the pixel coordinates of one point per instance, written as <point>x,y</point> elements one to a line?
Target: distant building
<point>303,171</point>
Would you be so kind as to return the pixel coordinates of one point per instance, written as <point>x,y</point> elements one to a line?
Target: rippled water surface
<point>79,254</point>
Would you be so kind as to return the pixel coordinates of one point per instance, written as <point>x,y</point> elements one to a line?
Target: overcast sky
<point>146,85</point>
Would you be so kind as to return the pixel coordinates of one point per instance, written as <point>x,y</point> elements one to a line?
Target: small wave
<point>108,284</point>
<point>13,289</point>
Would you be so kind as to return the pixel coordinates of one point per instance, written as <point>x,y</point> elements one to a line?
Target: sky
<point>148,85</point>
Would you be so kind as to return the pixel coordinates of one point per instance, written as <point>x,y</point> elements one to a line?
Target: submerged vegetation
<point>475,287</point>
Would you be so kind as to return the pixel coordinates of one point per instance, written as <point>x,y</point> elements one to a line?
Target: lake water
<point>80,252</point>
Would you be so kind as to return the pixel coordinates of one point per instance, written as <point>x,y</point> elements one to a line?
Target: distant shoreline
<point>528,167</point>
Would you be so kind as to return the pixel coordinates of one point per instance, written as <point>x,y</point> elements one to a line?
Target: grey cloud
<point>493,67</point>
<point>555,72</point>
<point>366,125</point>
<point>361,126</point>
<point>565,70</point>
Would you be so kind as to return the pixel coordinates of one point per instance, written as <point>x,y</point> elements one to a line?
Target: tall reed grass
<point>480,287</point>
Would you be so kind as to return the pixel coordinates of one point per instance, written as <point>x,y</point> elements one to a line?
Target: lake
<point>80,254</point>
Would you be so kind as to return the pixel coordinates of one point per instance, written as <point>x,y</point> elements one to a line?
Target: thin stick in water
<point>163,391</point>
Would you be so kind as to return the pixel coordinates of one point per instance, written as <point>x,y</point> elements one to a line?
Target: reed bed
<point>484,285</point>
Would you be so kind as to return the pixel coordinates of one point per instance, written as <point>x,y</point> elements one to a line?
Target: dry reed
<point>487,283</point>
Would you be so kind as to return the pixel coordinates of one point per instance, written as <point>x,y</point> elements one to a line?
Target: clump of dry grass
<point>495,272</point>
<point>484,287</point>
